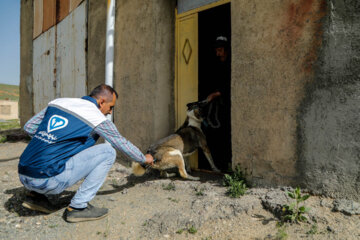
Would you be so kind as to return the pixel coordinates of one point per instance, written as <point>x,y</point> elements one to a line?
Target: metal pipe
<point>109,55</point>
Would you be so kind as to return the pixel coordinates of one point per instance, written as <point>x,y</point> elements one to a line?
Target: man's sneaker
<point>38,202</point>
<point>90,213</point>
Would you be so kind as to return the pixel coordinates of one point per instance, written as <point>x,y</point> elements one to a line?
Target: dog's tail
<point>138,170</point>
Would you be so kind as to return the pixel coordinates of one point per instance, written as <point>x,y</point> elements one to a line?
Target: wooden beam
<point>62,9</point>
<point>38,18</point>
<point>49,14</point>
<point>74,4</point>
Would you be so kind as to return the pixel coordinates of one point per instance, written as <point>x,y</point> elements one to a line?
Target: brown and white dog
<point>170,151</point>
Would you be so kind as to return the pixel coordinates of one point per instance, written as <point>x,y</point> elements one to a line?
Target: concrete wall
<point>295,93</point>
<point>144,69</point>
<point>329,115</point>
<point>26,61</point>
<point>96,43</point>
<point>274,45</point>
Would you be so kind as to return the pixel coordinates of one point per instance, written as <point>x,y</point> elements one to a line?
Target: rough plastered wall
<point>144,69</point>
<point>274,48</point>
<point>96,43</point>
<point>26,61</point>
<point>329,115</point>
<point>295,93</point>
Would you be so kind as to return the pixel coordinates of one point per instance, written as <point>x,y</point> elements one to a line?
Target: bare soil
<point>153,208</point>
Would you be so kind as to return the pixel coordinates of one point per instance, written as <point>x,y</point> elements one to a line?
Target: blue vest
<point>64,131</point>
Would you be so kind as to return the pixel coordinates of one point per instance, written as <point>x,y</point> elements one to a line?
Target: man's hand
<point>213,95</point>
<point>149,159</point>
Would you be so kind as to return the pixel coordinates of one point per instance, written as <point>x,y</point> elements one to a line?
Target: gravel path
<point>154,208</point>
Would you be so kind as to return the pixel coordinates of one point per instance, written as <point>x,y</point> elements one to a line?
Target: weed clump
<point>236,183</point>
<point>294,212</point>
<point>169,187</point>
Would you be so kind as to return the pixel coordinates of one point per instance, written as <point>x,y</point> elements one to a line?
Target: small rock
<point>274,201</point>
<point>330,229</point>
<point>125,191</point>
<point>166,236</point>
<point>347,207</point>
<point>123,170</point>
<point>38,223</point>
<point>325,203</point>
<point>17,226</point>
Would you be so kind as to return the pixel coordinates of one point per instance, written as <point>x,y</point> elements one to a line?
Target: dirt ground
<point>153,208</point>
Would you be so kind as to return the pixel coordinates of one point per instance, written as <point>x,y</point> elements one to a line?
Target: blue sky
<point>10,42</point>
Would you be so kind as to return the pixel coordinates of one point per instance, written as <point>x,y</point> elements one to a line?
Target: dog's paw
<point>193,178</point>
<point>138,170</point>
<point>216,170</point>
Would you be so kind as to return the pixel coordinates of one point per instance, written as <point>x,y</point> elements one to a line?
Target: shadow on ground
<point>14,203</point>
<point>153,175</point>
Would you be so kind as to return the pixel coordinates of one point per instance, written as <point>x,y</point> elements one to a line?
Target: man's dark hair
<point>104,91</point>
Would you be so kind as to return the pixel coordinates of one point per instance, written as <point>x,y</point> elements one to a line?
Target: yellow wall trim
<point>199,9</point>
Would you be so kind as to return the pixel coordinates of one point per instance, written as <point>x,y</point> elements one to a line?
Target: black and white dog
<point>170,151</point>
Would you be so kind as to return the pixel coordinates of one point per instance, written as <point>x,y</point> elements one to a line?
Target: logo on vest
<point>56,122</point>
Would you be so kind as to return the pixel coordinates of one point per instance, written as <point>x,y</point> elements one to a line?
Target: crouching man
<point>62,152</point>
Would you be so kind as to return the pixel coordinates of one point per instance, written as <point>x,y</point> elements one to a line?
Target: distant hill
<point>9,92</point>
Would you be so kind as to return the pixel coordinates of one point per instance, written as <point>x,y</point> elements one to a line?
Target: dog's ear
<point>199,104</point>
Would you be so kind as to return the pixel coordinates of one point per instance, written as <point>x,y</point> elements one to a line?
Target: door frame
<point>178,17</point>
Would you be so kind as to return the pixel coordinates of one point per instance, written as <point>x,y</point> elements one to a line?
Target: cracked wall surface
<point>274,47</point>
<point>295,93</point>
<point>329,115</point>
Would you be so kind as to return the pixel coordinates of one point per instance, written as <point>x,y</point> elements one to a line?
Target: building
<point>294,84</point>
<point>9,110</point>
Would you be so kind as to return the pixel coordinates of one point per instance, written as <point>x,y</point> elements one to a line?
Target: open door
<point>186,86</point>
<point>196,29</point>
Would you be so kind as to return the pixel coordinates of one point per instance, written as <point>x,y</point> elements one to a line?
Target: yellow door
<point>186,85</point>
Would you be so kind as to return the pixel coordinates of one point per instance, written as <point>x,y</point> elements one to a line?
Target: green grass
<point>9,124</point>
<point>192,230</point>
<point>6,125</point>
<point>9,92</point>
<point>169,187</point>
<point>174,200</point>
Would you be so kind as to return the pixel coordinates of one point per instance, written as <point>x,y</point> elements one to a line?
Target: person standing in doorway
<point>218,132</point>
